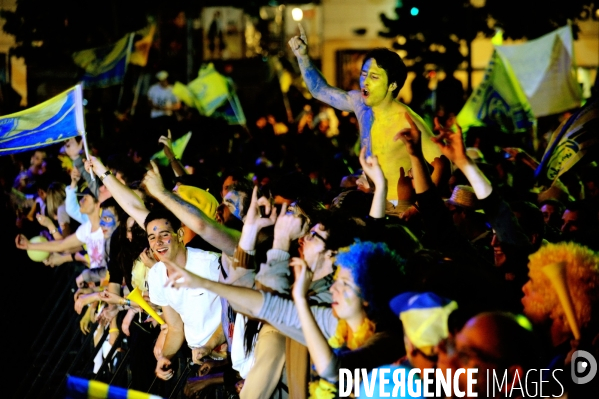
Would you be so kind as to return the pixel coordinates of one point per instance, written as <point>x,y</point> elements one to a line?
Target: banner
<point>79,388</point>
<point>498,101</point>
<point>141,51</point>
<point>212,94</point>
<point>546,70</point>
<point>105,66</point>
<point>50,122</point>
<point>574,138</point>
<point>179,146</point>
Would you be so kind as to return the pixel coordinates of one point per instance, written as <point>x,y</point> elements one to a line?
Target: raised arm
<point>373,170</point>
<point>126,197</point>
<point>244,300</point>
<point>73,149</point>
<point>175,163</point>
<point>451,145</point>
<point>50,246</point>
<point>316,83</point>
<point>320,351</point>
<point>221,237</point>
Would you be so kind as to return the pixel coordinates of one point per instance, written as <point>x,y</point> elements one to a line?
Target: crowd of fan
<point>279,278</point>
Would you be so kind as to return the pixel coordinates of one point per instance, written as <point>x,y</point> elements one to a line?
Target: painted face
<point>108,222</point>
<point>163,239</point>
<point>347,302</point>
<point>232,205</point>
<point>373,83</point>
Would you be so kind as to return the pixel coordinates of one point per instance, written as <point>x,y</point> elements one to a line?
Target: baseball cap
<point>424,318</point>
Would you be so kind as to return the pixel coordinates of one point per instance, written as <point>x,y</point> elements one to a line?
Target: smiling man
<point>192,315</point>
<point>381,116</point>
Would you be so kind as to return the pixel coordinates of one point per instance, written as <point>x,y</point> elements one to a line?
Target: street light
<point>297,14</point>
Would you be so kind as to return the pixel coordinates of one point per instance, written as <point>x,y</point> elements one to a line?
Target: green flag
<point>178,148</point>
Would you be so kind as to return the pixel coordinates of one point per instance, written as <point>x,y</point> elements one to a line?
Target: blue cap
<point>417,300</point>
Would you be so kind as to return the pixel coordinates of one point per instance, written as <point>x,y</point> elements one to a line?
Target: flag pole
<point>129,45</point>
<point>80,120</point>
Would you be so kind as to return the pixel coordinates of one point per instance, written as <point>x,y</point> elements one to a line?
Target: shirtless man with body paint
<point>381,116</point>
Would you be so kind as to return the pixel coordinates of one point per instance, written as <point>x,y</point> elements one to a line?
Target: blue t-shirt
<point>393,387</point>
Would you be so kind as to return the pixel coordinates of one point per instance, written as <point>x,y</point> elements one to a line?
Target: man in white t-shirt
<point>161,98</point>
<point>192,315</point>
<point>89,233</point>
<point>162,103</point>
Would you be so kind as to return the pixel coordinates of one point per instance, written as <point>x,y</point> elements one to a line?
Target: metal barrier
<point>60,349</point>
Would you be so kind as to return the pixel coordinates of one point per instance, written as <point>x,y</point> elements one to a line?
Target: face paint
<point>233,202</point>
<point>154,228</point>
<point>108,222</point>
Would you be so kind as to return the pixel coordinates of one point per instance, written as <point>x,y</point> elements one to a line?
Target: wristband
<point>113,330</point>
<point>105,174</point>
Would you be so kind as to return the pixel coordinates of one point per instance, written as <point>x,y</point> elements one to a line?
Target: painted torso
<point>377,136</point>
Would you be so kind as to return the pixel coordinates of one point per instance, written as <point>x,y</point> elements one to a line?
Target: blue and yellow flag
<point>50,122</point>
<point>79,388</point>
<point>206,93</point>
<point>573,139</point>
<point>212,94</point>
<point>105,66</point>
<point>498,101</point>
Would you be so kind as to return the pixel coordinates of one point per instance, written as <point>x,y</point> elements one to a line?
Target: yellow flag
<point>141,48</point>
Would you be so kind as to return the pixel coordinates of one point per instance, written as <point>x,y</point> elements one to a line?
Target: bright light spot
<point>297,14</point>
<point>414,11</point>
<point>401,40</point>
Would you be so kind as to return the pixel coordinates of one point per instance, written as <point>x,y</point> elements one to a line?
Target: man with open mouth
<point>380,114</point>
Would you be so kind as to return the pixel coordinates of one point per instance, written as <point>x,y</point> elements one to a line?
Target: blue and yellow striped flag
<point>50,122</point>
<point>573,139</point>
<point>105,66</point>
<point>80,388</point>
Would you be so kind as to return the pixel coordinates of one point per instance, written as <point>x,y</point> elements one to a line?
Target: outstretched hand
<point>168,145</point>
<point>411,137</point>
<point>180,277</point>
<point>450,143</point>
<point>299,44</point>
<point>372,168</point>
<point>153,181</point>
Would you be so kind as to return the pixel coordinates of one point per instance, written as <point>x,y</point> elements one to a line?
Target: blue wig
<point>378,272</point>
